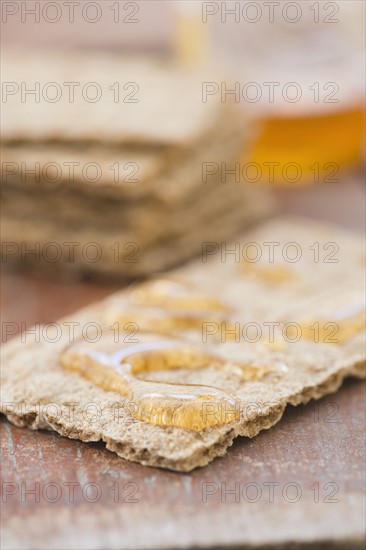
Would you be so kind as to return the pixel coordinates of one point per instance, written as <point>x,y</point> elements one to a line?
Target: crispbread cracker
<point>154,213</point>
<point>326,279</point>
<point>114,99</point>
<point>167,173</point>
<point>69,165</point>
<point>158,246</point>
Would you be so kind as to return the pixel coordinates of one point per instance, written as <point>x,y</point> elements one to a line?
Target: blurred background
<point>294,69</point>
<point>297,68</point>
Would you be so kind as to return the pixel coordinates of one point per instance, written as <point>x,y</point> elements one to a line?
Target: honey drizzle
<point>344,323</point>
<point>172,295</point>
<point>165,323</point>
<point>275,274</point>
<point>168,306</point>
<point>190,406</point>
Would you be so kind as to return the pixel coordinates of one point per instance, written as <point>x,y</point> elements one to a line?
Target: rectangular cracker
<point>154,213</point>
<point>47,167</point>
<point>57,170</point>
<point>158,245</point>
<point>115,99</point>
<point>327,279</point>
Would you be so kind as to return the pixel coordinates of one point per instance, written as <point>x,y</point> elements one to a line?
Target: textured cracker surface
<point>145,111</point>
<point>32,378</point>
<point>153,213</point>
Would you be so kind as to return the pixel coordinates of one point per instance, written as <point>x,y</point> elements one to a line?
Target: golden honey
<point>166,306</point>
<point>317,147</point>
<point>189,406</point>
<point>170,294</point>
<point>195,407</point>
<point>270,274</point>
<point>257,371</point>
<point>161,321</point>
<point>314,139</point>
<point>335,328</point>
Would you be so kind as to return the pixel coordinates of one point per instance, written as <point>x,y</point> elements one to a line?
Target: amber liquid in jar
<point>307,149</point>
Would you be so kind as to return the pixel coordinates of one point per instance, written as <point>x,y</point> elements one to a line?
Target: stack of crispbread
<point>104,165</point>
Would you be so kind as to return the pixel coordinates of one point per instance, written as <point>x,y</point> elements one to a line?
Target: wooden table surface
<point>299,483</point>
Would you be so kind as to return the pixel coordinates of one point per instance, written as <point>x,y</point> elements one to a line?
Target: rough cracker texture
<point>146,111</point>
<point>153,213</point>
<point>161,142</point>
<point>32,377</point>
